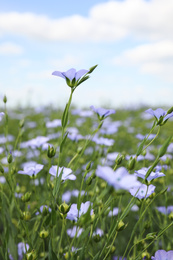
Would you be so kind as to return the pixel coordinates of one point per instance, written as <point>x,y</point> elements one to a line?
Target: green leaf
<point>52,255</point>
<point>64,119</point>
<point>63,142</point>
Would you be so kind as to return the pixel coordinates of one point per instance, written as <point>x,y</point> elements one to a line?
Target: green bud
<point>171,216</point>
<point>43,234</point>
<point>26,197</point>
<point>88,166</point>
<point>79,150</point>
<point>51,152</point>
<point>64,208</point>
<point>121,226</point>
<point>92,69</point>
<point>21,123</point>
<point>151,235</point>
<point>164,147</point>
<point>25,215</point>
<point>13,170</point>
<point>89,180</point>
<point>140,148</point>
<point>9,158</point>
<point>97,238</point>
<point>146,255</point>
<point>5,99</point>
<point>170,110</point>
<point>131,163</point>
<point>160,121</point>
<point>119,159</point>
<point>32,255</point>
<point>1,168</point>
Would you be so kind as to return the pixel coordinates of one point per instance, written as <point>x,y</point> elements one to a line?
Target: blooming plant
<point>100,187</point>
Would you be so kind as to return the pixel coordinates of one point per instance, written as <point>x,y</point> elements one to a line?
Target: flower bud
<point>88,166</point>
<point>21,123</point>
<point>64,208</point>
<point>97,238</point>
<point>171,216</point>
<point>79,150</point>
<point>146,255</point>
<point>131,163</point>
<point>51,152</point>
<point>25,215</point>
<point>5,99</point>
<point>121,226</point>
<point>170,110</point>
<point>151,235</point>
<point>26,197</point>
<point>119,159</point>
<point>31,256</point>
<point>9,158</point>
<point>1,168</point>
<point>43,234</point>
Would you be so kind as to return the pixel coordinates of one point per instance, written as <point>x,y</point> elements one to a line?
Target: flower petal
<point>80,73</point>
<point>59,74</point>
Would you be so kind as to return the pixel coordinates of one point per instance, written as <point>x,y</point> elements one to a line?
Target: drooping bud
<point>121,226</point>
<point>25,215</point>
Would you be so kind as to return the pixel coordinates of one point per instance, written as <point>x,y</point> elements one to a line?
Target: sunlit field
<point>94,183</point>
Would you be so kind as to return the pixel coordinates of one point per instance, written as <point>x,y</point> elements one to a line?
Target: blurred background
<point>130,40</point>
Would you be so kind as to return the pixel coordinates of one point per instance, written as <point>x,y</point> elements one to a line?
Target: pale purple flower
<point>153,175</point>
<point>35,143</point>
<point>164,210</point>
<point>113,212</point>
<point>98,232</point>
<point>41,209</point>
<point>75,230</point>
<point>1,115</point>
<point>71,75</point>
<point>163,255</point>
<point>143,191</point>
<point>31,170</point>
<point>54,123</point>
<point>68,194</point>
<point>2,179</point>
<point>102,112</point>
<point>103,141</point>
<point>66,175</point>
<point>73,213</point>
<point>119,179</point>
<point>158,113</point>
<point>22,249</point>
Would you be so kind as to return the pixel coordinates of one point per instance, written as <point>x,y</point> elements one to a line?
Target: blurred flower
<point>1,115</point>
<point>159,113</point>
<point>75,230</point>
<point>163,255</point>
<point>143,191</point>
<point>103,141</point>
<point>119,179</point>
<point>54,123</point>
<point>102,112</point>
<point>73,213</point>
<point>31,170</point>
<point>165,210</point>
<point>66,175</point>
<point>153,175</point>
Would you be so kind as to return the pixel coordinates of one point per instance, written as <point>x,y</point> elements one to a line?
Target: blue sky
<point>130,40</point>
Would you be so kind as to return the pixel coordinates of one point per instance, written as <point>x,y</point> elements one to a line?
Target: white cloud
<point>108,21</point>
<point>154,58</point>
<point>9,48</point>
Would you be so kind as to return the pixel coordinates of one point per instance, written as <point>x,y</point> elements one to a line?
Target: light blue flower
<point>71,76</point>
<point>143,191</point>
<point>163,255</point>
<point>66,175</point>
<point>32,170</point>
<point>102,112</point>
<point>160,114</point>
<point>153,175</point>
